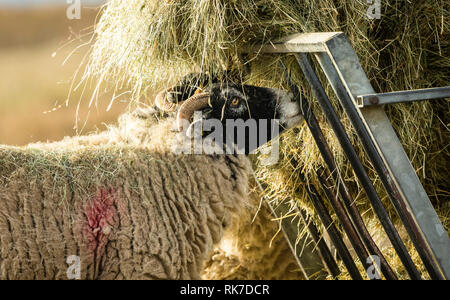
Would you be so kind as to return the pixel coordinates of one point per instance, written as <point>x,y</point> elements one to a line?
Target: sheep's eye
<point>235,102</point>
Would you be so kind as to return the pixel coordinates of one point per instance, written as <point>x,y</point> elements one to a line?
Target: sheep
<point>122,204</point>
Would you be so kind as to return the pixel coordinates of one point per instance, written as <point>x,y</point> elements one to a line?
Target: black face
<point>250,116</point>
<point>246,113</point>
<point>242,102</point>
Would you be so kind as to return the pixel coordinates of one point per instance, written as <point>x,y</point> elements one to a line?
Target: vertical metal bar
<point>309,260</point>
<point>385,151</point>
<point>343,217</point>
<point>342,188</point>
<point>356,164</point>
<point>330,228</point>
<point>322,247</point>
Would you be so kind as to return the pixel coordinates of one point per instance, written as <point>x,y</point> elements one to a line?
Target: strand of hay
<point>149,43</point>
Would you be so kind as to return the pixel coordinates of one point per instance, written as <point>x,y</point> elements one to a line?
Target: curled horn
<point>189,106</point>
<point>162,102</point>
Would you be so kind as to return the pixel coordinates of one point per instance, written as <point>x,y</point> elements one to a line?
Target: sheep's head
<point>253,108</point>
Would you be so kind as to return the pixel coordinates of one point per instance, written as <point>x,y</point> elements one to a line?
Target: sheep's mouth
<point>291,121</point>
<point>288,109</point>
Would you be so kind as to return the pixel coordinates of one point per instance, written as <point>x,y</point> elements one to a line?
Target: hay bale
<point>151,43</point>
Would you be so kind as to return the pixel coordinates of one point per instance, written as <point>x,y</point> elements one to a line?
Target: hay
<point>147,44</point>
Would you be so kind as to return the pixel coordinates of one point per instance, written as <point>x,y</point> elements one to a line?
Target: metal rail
<point>324,251</point>
<point>348,80</point>
<point>356,163</point>
<point>403,96</point>
<point>330,227</point>
<point>381,168</point>
<point>348,201</point>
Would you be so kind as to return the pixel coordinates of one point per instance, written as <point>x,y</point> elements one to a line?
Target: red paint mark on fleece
<point>101,218</point>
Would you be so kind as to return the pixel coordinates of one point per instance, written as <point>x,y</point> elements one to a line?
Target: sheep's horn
<point>189,106</point>
<point>162,102</point>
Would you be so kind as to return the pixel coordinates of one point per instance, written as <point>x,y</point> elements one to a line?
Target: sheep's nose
<point>288,110</point>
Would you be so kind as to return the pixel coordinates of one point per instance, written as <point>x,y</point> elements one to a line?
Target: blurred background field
<point>35,40</point>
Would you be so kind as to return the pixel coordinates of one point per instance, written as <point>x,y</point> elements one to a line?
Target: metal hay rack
<point>363,107</point>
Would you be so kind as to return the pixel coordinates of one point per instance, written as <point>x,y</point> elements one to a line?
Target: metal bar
<point>309,260</point>
<point>300,42</point>
<point>356,164</point>
<point>324,251</point>
<point>381,169</point>
<point>403,96</point>
<point>348,80</point>
<point>343,217</point>
<point>395,170</point>
<point>356,218</point>
<point>334,234</point>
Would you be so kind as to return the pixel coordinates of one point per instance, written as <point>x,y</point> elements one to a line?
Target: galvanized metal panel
<point>389,146</point>
<point>411,191</point>
<point>361,174</point>
<point>379,164</point>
